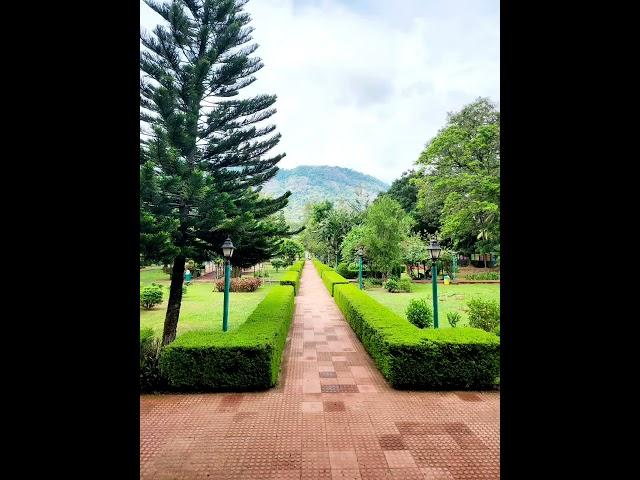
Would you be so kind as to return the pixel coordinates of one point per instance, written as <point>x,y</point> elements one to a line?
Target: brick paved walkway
<point>331,417</point>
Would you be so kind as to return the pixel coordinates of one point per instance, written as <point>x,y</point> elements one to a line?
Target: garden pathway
<point>332,416</point>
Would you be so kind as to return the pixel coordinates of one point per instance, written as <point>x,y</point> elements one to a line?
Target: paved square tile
<point>400,459</point>
<point>343,460</point>
<point>312,407</point>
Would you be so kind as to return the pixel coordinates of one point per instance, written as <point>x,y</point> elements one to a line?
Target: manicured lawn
<point>153,274</point>
<point>202,308</point>
<point>450,298</point>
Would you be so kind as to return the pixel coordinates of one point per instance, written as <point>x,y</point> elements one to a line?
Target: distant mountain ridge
<point>311,184</point>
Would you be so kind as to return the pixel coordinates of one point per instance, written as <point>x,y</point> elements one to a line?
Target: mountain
<point>311,184</point>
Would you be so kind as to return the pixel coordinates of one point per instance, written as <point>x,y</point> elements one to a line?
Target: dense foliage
<point>460,179</point>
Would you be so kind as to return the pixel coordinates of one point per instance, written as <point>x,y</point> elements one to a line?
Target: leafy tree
<point>290,251</point>
<point>414,252</point>
<point>386,226</point>
<point>203,153</point>
<point>277,263</point>
<point>461,178</point>
<point>326,229</point>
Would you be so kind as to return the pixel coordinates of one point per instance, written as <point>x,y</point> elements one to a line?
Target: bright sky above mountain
<point>364,84</point>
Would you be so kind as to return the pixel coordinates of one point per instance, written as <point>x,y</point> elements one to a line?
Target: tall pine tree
<point>203,160</point>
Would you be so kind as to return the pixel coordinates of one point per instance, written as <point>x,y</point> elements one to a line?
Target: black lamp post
<point>434,251</point>
<point>227,251</point>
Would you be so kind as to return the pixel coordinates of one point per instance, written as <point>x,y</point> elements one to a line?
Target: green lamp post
<point>227,251</point>
<point>434,250</point>
<point>360,253</point>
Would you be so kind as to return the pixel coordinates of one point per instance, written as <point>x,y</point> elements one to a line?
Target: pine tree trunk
<point>175,301</point>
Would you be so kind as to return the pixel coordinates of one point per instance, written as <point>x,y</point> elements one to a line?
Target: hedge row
<point>412,358</point>
<point>320,267</point>
<point>247,358</point>
<point>329,277</point>
<point>293,275</point>
<point>297,266</point>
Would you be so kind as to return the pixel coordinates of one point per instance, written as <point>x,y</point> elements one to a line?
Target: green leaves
<point>461,183</point>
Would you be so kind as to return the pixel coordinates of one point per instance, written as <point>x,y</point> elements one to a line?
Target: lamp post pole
<point>227,281</point>
<point>227,250</point>
<point>360,268</point>
<point>434,283</point>
<point>434,250</point>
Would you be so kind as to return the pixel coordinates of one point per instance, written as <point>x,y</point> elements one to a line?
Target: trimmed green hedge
<point>297,266</point>
<point>328,275</point>
<point>410,357</point>
<point>331,279</point>
<point>320,267</point>
<point>293,275</point>
<point>247,358</point>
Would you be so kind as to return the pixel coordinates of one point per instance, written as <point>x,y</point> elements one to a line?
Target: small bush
<point>391,285</point>
<point>484,314</point>
<point>246,284</point>
<point>419,313</point>
<point>150,296</point>
<point>453,318</point>
<point>150,376</point>
<point>373,281</point>
<point>405,285</point>
<point>343,269</point>
<point>497,330</point>
<point>483,276</point>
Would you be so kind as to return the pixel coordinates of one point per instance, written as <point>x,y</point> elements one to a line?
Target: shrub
<point>150,376</point>
<point>242,284</point>
<point>412,358</point>
<point>453,318</point>
<point>343,269</point>
<point>484,314</point>
<point>277,263</point>
<point>247,358</point>
<point>150,296</point>
<point>373,281</point>
<point>483,276</point>
<point>391,285</point>
<point>331,278</point>
<point>405,285</point>
<point>419,313</point>
<point>497,330</point>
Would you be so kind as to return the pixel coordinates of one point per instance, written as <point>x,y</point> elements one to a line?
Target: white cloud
<point>364,84</point>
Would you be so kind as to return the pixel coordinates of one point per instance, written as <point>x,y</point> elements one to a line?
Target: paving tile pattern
<point>332,416</point>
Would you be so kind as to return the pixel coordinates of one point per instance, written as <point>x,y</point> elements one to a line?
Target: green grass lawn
<point>201,307</point>
<point>450,298</point>
<point>153,274</point>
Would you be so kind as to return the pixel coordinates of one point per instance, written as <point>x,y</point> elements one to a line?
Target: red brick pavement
<point>332,416</point>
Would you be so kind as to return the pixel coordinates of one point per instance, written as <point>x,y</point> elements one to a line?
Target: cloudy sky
<point>364,84</point>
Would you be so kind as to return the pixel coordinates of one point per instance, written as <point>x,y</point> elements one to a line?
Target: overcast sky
<point>364,84</point>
